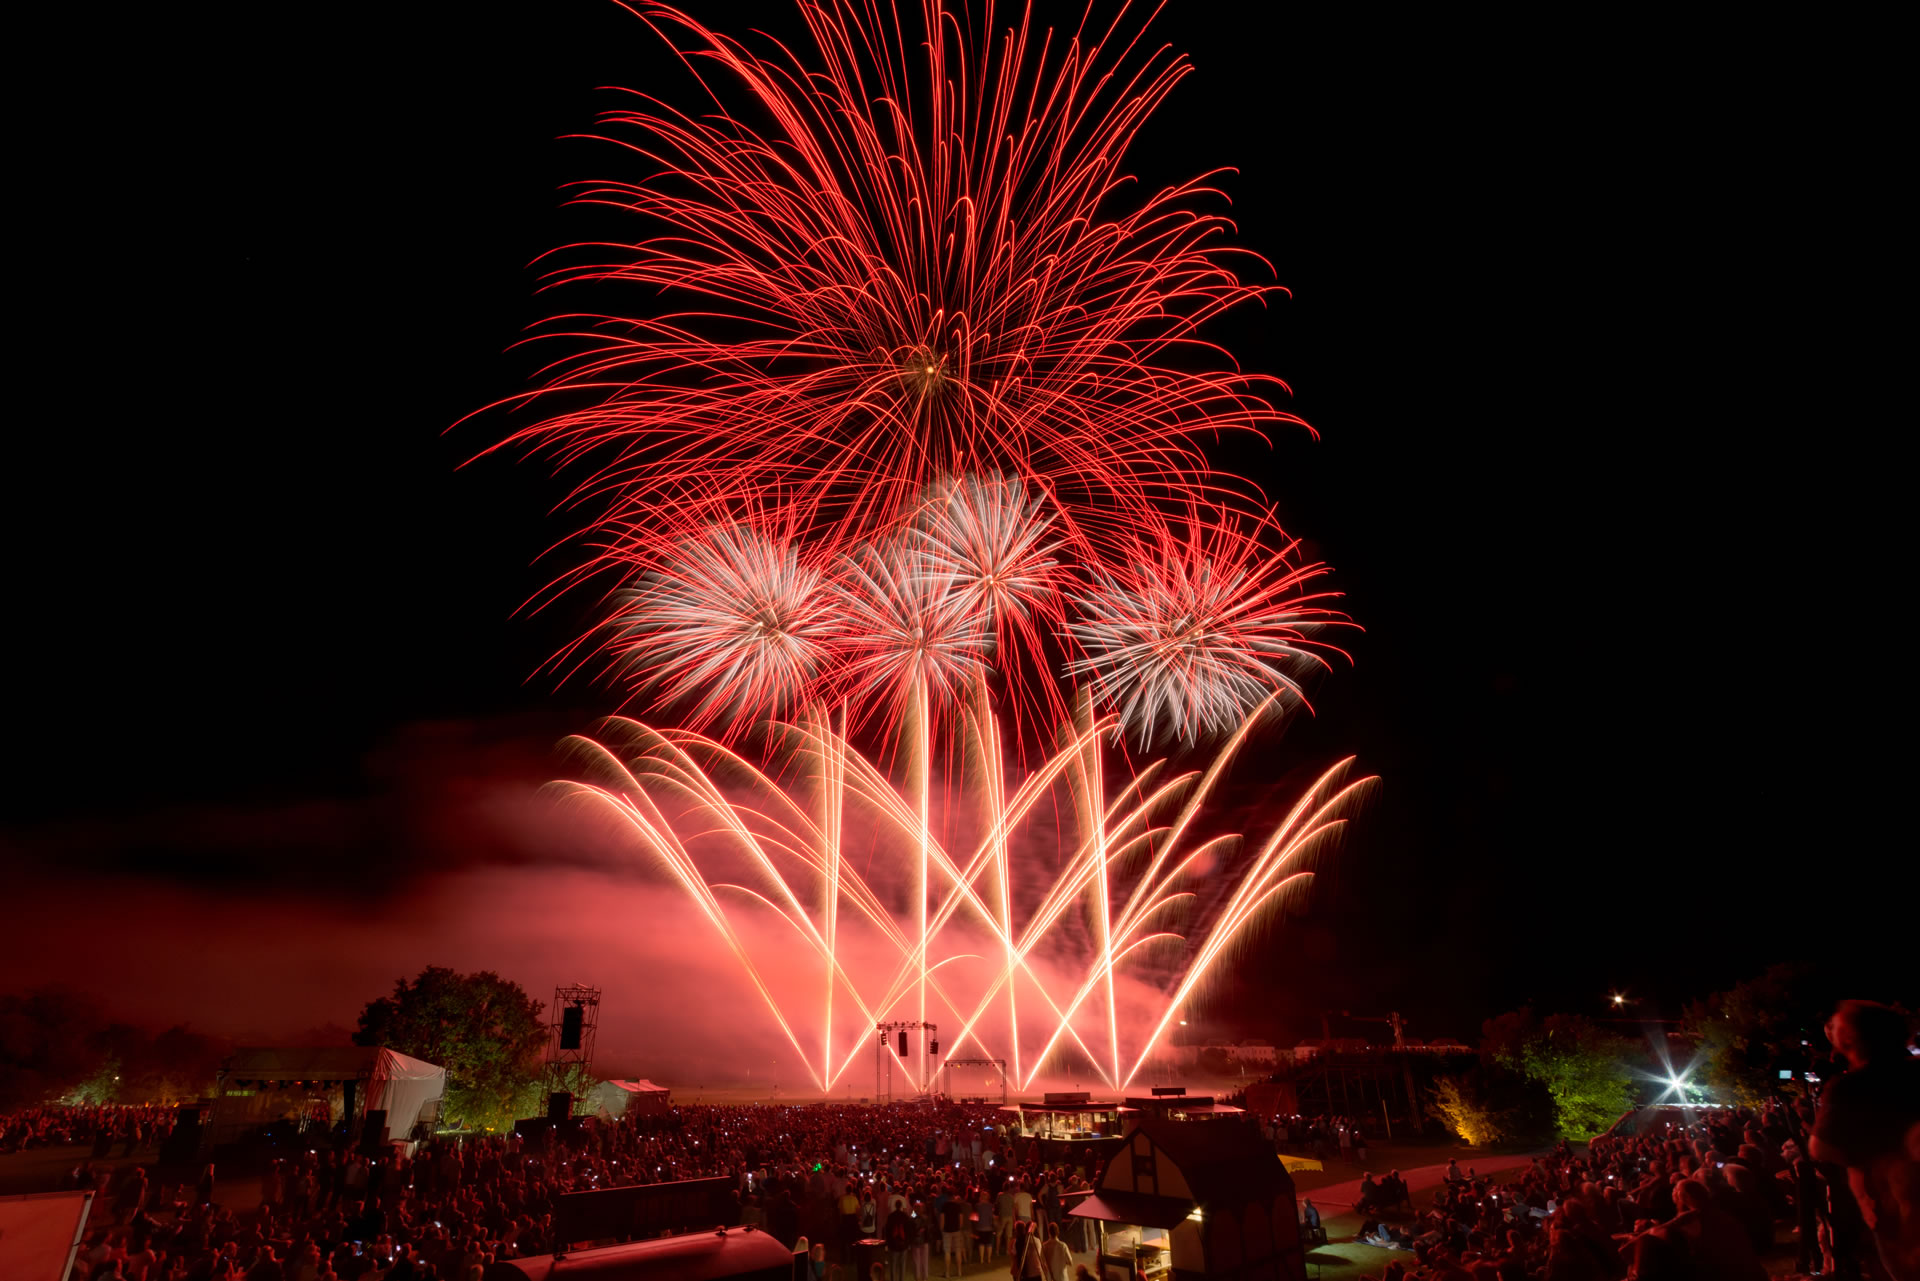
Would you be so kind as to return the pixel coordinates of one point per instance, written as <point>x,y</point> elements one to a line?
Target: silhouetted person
<point>1869,1122</point>
<point>898,1234</point>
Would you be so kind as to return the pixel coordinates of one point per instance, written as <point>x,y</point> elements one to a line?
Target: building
<point>1181,1201</point>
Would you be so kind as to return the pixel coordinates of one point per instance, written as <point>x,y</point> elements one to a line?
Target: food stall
<point>1074,1117</point>
<point>1173,1103</point>
<point>1181,1200</point>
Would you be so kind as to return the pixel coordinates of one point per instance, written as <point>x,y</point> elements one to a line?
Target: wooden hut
<point>1182,1200</point>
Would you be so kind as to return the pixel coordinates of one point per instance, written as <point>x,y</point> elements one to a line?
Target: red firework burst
<point>913,270</point>
<point>1193,633</point>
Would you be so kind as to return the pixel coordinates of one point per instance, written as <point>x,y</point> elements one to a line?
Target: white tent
<point>406,1087</point>
<point>630,1098</point>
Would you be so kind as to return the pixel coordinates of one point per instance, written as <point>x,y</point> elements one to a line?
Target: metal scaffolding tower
<point>573,1021</point>
<point>884,1055</point>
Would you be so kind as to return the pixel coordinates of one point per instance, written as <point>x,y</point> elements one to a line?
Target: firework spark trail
<point>997,543</point>
<point>986,733</point>
<point>776,828</point>
<point>646,821</point>
<point>670,764</point>
<point>877,791</point>
<point>1296,835</point>
<point>677,770</point>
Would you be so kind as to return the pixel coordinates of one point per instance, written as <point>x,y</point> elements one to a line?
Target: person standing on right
<point>1869,1122</point>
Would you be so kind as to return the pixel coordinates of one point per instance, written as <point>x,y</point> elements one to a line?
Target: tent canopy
<point>404,1087</point>
<point>638,1098</point>
<point>638,1087</point>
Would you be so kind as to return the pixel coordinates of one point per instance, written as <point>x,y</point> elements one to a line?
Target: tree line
<point>1567,1076</point>
<point>58,1046</point>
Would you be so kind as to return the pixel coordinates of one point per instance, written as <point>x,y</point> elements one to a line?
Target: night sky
<point>1584,320</point>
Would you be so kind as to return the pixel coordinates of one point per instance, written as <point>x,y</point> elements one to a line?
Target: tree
<point>49,1044</point>
<point>178,1063</point>
<point>485,1030</point>
<point>1465,1112</point>
<point>1746,1034</point>
<point>101,1088</point>
<point>1583,1068</point>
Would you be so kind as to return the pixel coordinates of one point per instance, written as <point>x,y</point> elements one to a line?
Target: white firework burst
<point>904,622</point>
<point>733,621</point>
<point>994,540</point>
<point>1191,635</point>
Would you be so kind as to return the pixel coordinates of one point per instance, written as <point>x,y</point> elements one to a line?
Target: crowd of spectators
<point>940,1186</point>
<point>1691,1195</point>
<point>1322,1137</point>
<point>1695,1194</point>
<point>129,1125</point>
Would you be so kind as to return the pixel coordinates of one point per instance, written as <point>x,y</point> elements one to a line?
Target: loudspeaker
<point>571,1019</point>
<point>373,1138</point>
<point>933,1048</point>
<point>559,1107</point>
<point>903,1044</point>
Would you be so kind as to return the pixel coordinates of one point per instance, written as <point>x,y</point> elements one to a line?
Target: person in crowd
<point>898,1235</point>
<point>1004,1220</point>
<point>1055,1257</point>
<point>924,1231</point>
<point>1029,1262</point>
<point>984,1230</point>
<point>953,1236</point>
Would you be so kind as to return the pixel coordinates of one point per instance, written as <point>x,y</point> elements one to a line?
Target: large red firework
<point>900,258</point>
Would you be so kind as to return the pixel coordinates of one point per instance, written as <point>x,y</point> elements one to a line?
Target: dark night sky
<point>1586,321</point>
